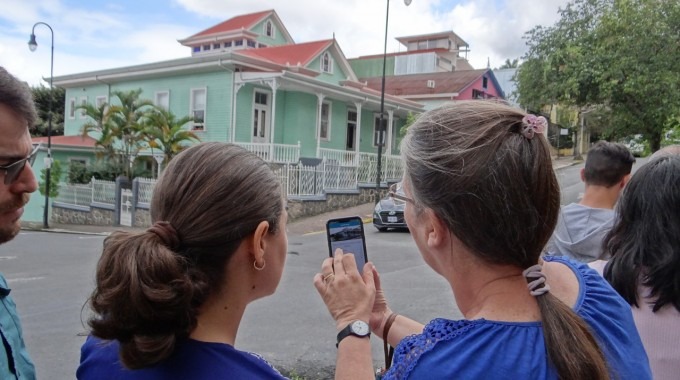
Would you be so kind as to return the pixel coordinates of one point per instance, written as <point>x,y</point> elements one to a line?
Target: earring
<point>258,268</point>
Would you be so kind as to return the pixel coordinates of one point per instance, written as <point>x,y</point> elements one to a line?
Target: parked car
<point>389,212</point>
<point>635,144</point>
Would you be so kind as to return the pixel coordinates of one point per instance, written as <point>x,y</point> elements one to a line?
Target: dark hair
<point>147,295</point>
<point>607,163</point>
<point>644,242</point>
<point>498,194</point>
<point>17,96</point>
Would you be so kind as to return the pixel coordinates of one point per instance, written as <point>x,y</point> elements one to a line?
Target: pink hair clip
<point>532,124</point>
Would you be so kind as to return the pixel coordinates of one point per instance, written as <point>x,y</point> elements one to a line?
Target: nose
<point>26,182</point>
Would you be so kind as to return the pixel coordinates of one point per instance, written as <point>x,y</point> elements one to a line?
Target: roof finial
<point>488,62</point>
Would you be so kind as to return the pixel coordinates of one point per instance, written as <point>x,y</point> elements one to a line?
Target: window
<point>238,43</point>
<point>83,102</point>
<point>269,29</point>
<point>485,83</point>
<point>262,45</point>
<point>100,100</point>
<point>77,161</point>
<point>251,43</point>
<point>206,47</point>
<point>227,44</point>
<point>198,106</point>
<point>376,130</point>
<point>351,129</point>
<point>162,99</point>
<point>325,126</point>
<point>72,108</point>
<point>326,63</point>
<point>422,45</point>
<point>217,46</point>
<point>196,49</point>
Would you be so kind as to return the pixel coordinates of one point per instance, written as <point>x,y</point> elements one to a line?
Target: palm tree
<point>167,133</point>
<point>101,129</point>
<point>129,120</point>
<point>510,64</point>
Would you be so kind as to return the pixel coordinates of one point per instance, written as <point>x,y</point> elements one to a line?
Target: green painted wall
<point>262,38</point>
<point>299,121</point>
<point>372,67</point>
<point>219,101</point>
<point>335,77</point>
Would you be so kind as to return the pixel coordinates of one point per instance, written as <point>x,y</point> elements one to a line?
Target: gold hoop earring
<point>258,268</point>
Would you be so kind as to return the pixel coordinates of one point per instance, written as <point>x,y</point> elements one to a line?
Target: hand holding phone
<point>348,235</point>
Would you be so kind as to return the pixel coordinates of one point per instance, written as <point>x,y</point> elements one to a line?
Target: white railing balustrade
<point>343,157</point>
<point>145,189</point>
<point>338,176</point>
<point>75,194</point>
<point>103,191</point>
<point>279,153</point>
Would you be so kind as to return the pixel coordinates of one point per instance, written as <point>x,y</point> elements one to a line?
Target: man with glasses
<point>17,114</point>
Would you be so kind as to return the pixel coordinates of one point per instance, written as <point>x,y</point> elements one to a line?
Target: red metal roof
<point>235,23</point>
<point>416,84</point>
<point>288,54</point>
<point>74,141</point>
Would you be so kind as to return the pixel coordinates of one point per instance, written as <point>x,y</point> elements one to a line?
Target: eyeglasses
<point>394,194</point>
<point>13,170</point>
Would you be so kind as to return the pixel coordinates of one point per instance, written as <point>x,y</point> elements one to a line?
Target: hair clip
<point>532,124</point>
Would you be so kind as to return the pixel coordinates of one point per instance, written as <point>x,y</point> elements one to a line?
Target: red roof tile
<point>416,84</point>
<point>288,54</point>
<point>74,141</point>
<point>235,23</point>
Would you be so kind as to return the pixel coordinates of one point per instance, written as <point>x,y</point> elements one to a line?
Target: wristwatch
<point>356,328</point>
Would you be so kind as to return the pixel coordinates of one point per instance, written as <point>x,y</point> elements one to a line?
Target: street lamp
<point>381,129</point>
<point>32,44</point>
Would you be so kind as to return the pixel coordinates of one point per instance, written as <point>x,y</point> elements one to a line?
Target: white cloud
<point>88,39</point>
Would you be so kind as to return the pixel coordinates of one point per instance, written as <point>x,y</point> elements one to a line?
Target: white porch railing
<point>279,153</point>
<point>85,194</point>
<point>391,168</point>
<point>342,157</point>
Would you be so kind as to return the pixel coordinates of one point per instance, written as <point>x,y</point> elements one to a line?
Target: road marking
<point>91,237</point>
<point>23,279</point>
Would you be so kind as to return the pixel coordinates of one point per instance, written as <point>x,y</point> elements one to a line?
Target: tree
<point>165,132</point>
<point>620,58</point>
<point>510,64</point>
<point>55,179</point>
<point>41,97</point>
<point>128,119</point>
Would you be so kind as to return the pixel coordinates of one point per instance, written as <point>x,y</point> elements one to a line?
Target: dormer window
<point>227,44</point>
<point>206,47</point>
<point>251,43</point>
<point>326,63</point>
<point>216,46</point>
<point>485,83</point>
<point>196,49</point>
<point>269,29</point>
<point>238,43</point>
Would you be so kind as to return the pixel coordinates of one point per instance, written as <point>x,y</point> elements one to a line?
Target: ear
<point>437,232</point>
<point>583,174</point>
<point>258,243</point>
<point>625,180</point>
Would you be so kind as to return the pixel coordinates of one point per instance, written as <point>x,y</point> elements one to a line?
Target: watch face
<point>360,328</point>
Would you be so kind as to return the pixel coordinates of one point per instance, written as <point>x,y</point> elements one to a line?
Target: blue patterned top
<point>191,359</point>
<point>483,349</point>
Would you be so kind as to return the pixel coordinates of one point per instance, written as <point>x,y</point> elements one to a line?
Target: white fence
<point>338,171</point>
<point>96,191</point>
<point>278,153</point>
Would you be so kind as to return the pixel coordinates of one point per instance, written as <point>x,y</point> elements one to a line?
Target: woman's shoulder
<point>463,342</point>
<point>190,359</point>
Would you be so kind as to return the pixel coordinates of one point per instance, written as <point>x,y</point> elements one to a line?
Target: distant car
<point>635,144</point>
<point>389,214</point>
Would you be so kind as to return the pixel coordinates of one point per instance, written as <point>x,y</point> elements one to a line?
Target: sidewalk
<point>312,224</point>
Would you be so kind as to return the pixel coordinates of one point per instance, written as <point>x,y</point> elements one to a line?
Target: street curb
<point>63,231</point>
<point>568,165</point>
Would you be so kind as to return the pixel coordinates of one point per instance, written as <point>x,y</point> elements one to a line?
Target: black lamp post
<point>381,128</point>
<point>32,44</point>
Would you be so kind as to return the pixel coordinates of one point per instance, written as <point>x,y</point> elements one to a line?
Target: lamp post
<point>32,44</point>
<point>381,129</point>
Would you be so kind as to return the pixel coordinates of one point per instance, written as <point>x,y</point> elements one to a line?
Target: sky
<point>98,34</point>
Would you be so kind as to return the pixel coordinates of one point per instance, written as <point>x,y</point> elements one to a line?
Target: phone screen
<point>348,235</point>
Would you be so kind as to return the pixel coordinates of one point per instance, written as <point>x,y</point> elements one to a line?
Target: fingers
<point>367,275</point>
<point>338,264</point>
<point>376,277</point>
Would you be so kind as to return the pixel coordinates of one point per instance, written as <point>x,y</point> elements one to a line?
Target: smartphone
<point>348,235</point>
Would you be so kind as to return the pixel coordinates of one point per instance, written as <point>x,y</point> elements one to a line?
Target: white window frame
<point>72,108</point>
<point>81,159</point>
<point>324,56</point>
<point>192,93</point>
<point>355,123</point>
<point>83,102</point>
<point>328,122</point>
<point>268,115</point>
<point>99,100</point>
<point>157,103</point>
<point>270,24</point>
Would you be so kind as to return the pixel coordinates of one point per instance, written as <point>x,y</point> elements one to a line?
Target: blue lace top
<point>483,349</point>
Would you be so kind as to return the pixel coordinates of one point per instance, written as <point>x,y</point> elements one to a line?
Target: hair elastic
<point>532,124</point>
<point>167,233</point>
<point>536,280</point>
